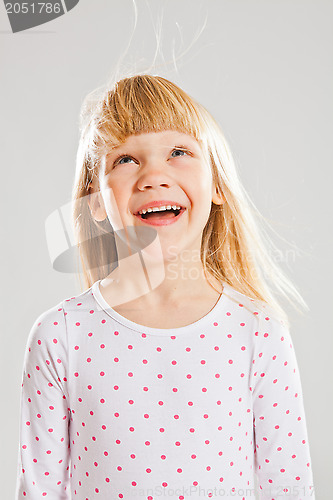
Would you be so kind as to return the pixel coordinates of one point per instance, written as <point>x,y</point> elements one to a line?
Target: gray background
<point>263,68</point>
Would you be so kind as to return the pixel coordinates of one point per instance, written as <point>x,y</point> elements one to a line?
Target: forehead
<point>164,138</point>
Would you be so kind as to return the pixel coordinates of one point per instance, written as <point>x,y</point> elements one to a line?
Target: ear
<point>217,197</point>
<point>96,204</point>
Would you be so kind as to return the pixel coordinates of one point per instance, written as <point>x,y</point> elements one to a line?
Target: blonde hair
<point>234,247</point>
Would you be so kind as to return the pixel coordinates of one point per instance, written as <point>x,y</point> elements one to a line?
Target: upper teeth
<point>158,209</point>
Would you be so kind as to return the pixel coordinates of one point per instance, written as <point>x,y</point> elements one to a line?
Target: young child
<point>173,373</point>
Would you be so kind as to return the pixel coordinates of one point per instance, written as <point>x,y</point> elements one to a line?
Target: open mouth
<point>161,217</point>
<point>164,214</point>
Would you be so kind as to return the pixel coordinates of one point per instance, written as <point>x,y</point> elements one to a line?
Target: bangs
<point>142,104</point>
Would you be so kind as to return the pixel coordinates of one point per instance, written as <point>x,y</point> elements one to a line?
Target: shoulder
<point>47,340</point>
<point>49,327</point>
<point>267,319</point>
<point>256,307</point>
<point>270,340</point>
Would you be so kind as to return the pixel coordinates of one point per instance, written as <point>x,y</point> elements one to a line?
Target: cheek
<point>113,204</point>
<point>202,191</point>
<point>202,199</point>
<point>202,179</point>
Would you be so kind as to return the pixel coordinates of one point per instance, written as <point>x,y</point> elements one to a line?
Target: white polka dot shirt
<point>111,409</point>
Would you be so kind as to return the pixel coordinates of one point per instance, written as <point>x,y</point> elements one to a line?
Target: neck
<point>155,278</point>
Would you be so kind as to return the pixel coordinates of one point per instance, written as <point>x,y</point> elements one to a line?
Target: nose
<point>154,175</point>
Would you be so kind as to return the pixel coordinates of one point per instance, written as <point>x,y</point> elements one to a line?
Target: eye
<point>121,158</point>
<point>179,151</point>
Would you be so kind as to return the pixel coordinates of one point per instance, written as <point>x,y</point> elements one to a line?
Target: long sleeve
<point>43,455</point>
<point>282,454</point>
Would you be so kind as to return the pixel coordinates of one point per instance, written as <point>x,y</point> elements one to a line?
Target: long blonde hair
<point>234,247</point>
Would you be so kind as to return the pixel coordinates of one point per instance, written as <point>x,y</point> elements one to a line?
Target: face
<point>166,167</point>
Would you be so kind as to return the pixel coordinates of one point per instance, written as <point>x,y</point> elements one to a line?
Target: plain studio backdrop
<point>263,68</point>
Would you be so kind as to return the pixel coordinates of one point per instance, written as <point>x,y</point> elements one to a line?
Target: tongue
<point>165,214</point>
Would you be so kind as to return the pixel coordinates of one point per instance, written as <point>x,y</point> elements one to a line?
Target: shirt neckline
<point>159,331</point>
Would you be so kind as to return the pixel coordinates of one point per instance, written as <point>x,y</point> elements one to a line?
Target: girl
<point>173,373</point>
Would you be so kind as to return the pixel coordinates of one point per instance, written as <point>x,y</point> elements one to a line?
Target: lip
<point>160,222</point>
<point>159,203</point>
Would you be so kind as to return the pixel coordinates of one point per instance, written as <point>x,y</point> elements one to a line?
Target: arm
<point>282,455</point>
<point>44,453</point>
